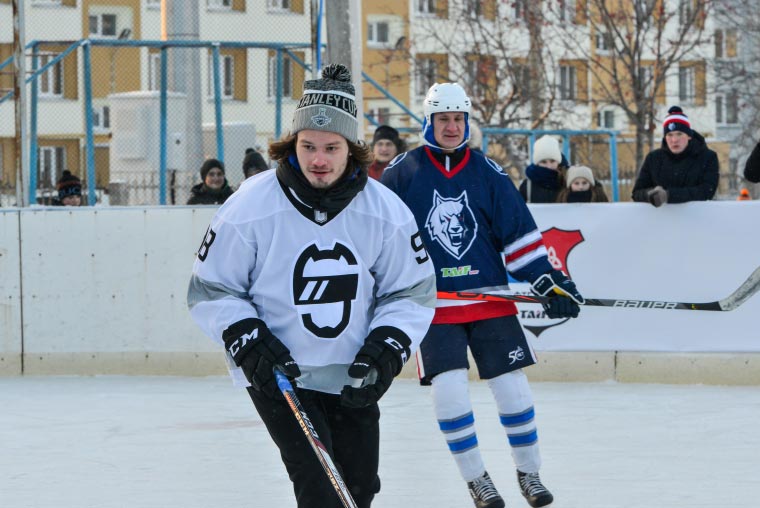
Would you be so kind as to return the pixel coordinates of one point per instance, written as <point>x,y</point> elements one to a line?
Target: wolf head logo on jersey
<point>452,224</point>
<point>325,283</point>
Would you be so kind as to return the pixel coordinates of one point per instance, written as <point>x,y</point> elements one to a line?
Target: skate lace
<point>484,488</point>
<point>531,483</point>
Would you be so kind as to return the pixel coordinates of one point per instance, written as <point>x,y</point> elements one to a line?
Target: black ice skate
<point>534,491</point>
<point>484,494</point>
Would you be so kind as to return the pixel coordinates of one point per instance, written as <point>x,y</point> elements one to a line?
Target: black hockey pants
<point>351,436</point>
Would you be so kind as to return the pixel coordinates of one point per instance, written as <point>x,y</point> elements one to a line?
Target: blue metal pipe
<point>33,141</point>
<point>278,98</point>
<point>218,106</point>
<point>89,144</point>
<point>162,135</point>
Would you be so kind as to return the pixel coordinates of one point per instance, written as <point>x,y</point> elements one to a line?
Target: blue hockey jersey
<point>474,223</point>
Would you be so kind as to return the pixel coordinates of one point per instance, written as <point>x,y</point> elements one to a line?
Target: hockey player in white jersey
<point>318,271</point>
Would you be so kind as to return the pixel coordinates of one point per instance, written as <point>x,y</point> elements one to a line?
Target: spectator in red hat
<point>744,195</point>
<point>386,144</point>
<point>682,170</point>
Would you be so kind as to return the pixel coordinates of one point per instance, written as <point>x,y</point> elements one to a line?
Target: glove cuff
<point>395,340</point>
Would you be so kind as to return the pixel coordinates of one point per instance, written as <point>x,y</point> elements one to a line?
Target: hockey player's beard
<point>331,200</point>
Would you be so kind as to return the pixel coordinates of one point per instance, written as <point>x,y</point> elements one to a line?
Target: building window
<point>725,43</point>
<point>51,163</point>
<point>685,11</point>
<point>604,42</point>
<point>226,76</point>
<point>153,4</point>
<point>426,7</point>
<point>287,77</point>
<point>473,9</point>
<point>377,33</point>
<point>154,71</point>
<point>732,107</point>
<point>101,118</point>
<point>687,91</point>
<point>521,79</point>
<point>426,74</point>
<point>221,5</point>
<point>103,25</point>
<point>278,5</point>
<point>606,119</point>
<point>50,82</point>
<point>520,9</point>
<point>381,116</point>
<point>568,84</point>
<point>567,11</point>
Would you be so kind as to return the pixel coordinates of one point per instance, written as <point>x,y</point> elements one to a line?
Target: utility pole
<point>19,99</point>
<point>345,43</point>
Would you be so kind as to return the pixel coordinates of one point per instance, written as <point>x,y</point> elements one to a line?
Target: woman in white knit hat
<point>545,177</point>
<point>581,187</point>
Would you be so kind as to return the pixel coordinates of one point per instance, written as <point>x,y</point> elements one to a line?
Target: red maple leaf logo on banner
<point>559,243</point>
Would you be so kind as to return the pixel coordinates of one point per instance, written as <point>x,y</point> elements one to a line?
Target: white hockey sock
<point>453,409</point>
<point>515,403</point>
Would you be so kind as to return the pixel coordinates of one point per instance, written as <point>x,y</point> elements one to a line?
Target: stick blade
<point>745,291</point>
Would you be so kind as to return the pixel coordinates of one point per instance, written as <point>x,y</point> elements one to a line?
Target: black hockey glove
<point>384,353</point>
<point>254,349</point>
<point>564,297</point>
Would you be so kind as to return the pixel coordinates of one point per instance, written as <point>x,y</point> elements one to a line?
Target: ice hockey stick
<point>311,434</point>
<point>748,288</point>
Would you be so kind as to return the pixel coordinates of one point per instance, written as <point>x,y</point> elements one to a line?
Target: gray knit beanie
<point>329,104</point>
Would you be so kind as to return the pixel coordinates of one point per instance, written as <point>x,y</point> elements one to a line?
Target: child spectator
<point>69,190</point>
<point>582,187</point>
<point>546,176</point>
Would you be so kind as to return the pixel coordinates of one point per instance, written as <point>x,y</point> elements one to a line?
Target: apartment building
<point>410,44</point>
<point>248,77</point>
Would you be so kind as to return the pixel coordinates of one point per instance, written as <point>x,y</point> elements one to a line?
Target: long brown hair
<point>359,152</point>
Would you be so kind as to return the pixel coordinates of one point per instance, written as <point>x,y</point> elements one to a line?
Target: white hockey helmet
<point>449,97</point>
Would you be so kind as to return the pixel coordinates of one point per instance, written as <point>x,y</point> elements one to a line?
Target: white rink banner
<point>691,252</point>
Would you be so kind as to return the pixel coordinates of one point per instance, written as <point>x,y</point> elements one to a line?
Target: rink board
<point>102,291</point>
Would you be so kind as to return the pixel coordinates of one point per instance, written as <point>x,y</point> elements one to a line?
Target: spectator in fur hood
<point>682,170</point>
<point>213,189</point>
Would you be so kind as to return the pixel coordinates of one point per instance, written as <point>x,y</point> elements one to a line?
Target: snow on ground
<point>173,442</point>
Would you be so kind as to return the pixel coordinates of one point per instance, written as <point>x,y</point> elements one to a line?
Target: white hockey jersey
<point>320,285</point>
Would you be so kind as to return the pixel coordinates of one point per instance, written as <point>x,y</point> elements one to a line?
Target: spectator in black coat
<point>253,163</point>
<point>752,168</point>
<point>545,178</point>
<point>213,189</point>
<point>684,169</point>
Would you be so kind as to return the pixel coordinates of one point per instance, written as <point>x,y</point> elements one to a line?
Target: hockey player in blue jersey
<point>474,224</point>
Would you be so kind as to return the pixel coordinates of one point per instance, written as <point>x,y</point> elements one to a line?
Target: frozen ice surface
<point>171,442</point>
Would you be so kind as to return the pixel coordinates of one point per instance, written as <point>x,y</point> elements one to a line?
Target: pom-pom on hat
<point>69,185</point>
<point>253,162</point>
<point>391,134</point>
<point>328,104</point>
<point>546,148</point>
<point>210,164</point>
<point>574,172</point>
<point>676,121</point>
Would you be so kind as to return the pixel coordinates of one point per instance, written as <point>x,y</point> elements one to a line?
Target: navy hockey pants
<point>351,436</point>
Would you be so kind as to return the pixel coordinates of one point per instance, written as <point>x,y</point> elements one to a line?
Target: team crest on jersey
<point>452,224</point>
<point>559,243</point>
<point>325,284</point>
